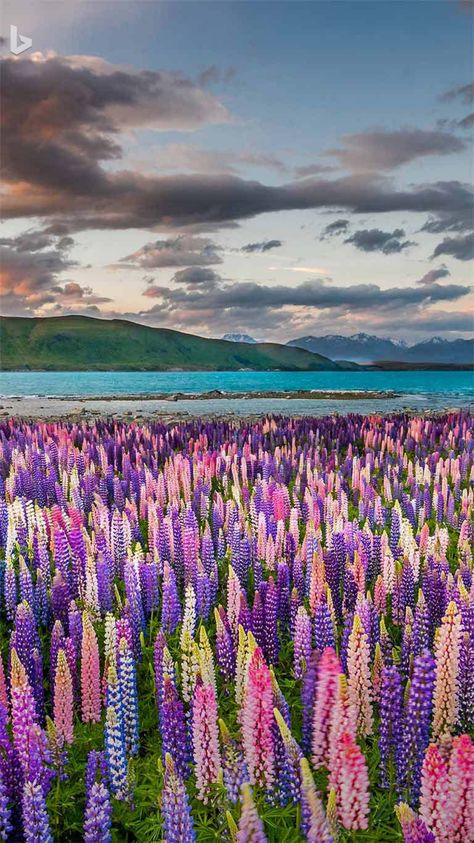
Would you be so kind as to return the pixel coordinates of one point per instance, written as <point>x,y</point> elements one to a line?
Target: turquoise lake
<point>449,387</point>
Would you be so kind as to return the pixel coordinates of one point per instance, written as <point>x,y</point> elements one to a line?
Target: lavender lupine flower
<point>115,755</point>
<point>234,769</point>
<point>98,812</point>
<point>308,690</point>
<point>466,683</point>
<point>128,693</point>
<point>5,811</point>
<point>36,826</point>
<point>250,824</point>
<point>416,725</point>
<point>177,817</point>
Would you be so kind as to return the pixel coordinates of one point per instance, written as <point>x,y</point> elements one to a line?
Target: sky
<point>274,168</point>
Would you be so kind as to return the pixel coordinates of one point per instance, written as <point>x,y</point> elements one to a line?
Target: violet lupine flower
<point>115,754</point>
<point>466,683</point>
<point>416,725</point>
<point>36,826</point>
<point>29,740</point>
<point>302,642</point>
<point>173,727</point>
<point>177,817</point>
<point>390,720</point>
<point>413,828</point>
<point>250,825</point>
<point>308,689</point>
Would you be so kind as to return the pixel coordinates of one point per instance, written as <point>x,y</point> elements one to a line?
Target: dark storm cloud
<point>335,228</point>
<point>62,120</point>
<point>385,150</point>
<point>461,248</point>
<point>433,275</point>
<point>375,240</point>
<point>263,246</point>
<point>184,250</point>
<point>449,222</point>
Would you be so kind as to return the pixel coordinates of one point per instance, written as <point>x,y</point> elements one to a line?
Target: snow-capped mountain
<point>366,348</point>
<point>239,338</point>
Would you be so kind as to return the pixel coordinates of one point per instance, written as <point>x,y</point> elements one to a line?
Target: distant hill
<point>239,338</point>
<point>365,348</point>
<point>81,343</point>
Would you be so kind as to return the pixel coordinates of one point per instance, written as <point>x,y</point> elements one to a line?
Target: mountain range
<point>366,348</point>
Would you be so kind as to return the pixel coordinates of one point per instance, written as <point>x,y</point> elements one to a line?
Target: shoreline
<point>235,406</point>
<point>218,394</point>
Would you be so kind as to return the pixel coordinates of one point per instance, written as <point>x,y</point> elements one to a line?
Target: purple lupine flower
<point>175,807</point>
<point>416,725</point>
<point>271,641</point>
<point>234,769</point>
<point>323,627</point>
<point>466,684</point>
<point>5,811</point>
<point>308,690</point>
<point>390,719</point>
<point>174,734</point>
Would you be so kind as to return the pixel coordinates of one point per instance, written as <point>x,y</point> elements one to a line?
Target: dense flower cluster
<point>207,625</point>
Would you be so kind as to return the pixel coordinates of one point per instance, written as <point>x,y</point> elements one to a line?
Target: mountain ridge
<point>370,349</point>
<point>85,343</point>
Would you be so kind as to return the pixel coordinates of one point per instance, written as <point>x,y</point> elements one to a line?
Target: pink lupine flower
<point>352,784</point>
<point>90,672</point>
<point>3,686</point>
<point>434,799</point>
<point>205,740</point>
<point>343,719</point>
<point>445,696</point>
<point>63,699</point>
<point>329,668</point>
<point>359,682</point>
<point>461,789</point>
<point>257,721</point>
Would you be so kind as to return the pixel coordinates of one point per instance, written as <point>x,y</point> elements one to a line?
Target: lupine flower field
<point>237,631</point>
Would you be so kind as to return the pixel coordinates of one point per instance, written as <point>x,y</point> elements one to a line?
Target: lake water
<point>57,393</point>
<point>458,385</point>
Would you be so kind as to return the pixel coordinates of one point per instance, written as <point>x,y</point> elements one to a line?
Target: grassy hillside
<point>68,343</point>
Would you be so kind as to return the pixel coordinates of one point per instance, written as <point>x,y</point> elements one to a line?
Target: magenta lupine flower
<point>461,789</point>
<point>177,817</point>
<point>250,825</point>
<point>329,668</point>
<point>257,720</point>
<point>36,826</point>
<point>205,740</point>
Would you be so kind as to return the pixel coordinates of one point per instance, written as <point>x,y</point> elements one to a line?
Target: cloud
<point>464,93</point>
<point>196,275</point>
<point>311,170</point>
<point>433,275</point>
<point>335,228</point>
<point>184,250</point>
<point>63,118</point>
<point>184,157</point>
<point>385,150</point>
<point>213,75</point>
<point>461,248</point>
<point>264,246</point>
<point>375,240</point>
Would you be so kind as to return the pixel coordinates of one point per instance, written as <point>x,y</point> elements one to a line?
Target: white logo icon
<point>18,43</point>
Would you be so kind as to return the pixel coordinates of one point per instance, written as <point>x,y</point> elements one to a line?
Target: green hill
<point>78,343</point>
